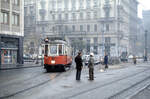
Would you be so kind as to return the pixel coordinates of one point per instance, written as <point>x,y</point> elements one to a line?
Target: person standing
<point>79,65</point>
<point>91,67</point>
<point>134,60</point>
<point>106,61</point>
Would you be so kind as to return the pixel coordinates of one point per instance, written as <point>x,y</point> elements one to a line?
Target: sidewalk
<point>19,66</point>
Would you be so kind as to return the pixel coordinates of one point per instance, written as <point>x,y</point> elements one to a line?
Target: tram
<point>57,53</point>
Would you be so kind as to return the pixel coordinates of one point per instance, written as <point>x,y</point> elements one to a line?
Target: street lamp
<point>145,58</point>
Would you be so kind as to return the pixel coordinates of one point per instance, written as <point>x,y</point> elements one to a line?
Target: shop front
<point>11,50</point>
<point>8,56</point>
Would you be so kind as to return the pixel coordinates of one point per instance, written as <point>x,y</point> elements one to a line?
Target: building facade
<point>11,32</point>
<point>103,26</point>
<point>30,36</point>
<point>146,21</point>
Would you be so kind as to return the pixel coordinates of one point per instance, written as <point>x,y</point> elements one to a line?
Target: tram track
<point>109,83</point>
<point>26,89</point>
<point>37,85</point>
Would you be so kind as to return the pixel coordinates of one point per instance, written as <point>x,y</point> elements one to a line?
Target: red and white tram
<point>57,54</point>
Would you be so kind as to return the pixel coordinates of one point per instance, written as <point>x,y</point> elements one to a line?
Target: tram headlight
<point>52,61</point>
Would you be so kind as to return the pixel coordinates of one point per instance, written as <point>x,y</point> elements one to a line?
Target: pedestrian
<point>134,60</point>
<point>91,67</point>
<point>79,65</point>
<point>106,61</point>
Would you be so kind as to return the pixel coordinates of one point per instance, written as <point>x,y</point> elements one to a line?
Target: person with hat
<point>79,65</point>
<point>91,67</point>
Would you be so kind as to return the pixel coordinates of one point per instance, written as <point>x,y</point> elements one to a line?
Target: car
<point>87,57</point>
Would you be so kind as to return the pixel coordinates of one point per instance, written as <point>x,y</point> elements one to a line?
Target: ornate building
<point>101,25</point>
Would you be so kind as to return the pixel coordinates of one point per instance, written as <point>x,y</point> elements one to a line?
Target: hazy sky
<point>143,5</point>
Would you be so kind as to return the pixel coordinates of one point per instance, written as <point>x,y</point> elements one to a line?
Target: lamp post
<point>145,58</point>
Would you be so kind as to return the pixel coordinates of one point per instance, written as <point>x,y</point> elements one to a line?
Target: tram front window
<point>53,50</point>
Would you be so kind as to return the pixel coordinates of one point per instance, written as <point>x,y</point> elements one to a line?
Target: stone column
<point>0,51</point>
<point>20,50</point>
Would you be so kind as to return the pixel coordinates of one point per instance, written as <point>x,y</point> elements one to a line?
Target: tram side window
<point>46,50</point>
<point>60,49</point>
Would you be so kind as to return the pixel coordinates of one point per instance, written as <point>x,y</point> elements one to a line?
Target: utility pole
<point>145,57</point>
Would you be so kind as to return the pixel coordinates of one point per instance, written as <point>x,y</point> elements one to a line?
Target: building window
<point>15,19</point>
<point>53,17</point>
<point>73,16</point>
<point>88,28</point>
<point>59,17</point>
<point>66,28</point>
<point>95,3</point>
<point>95,27</point>
<point>81,4</point>
<point>73,28</point>
<point>31,9</point>
<point>88,2</point>
<point>15,2</point>
<point>53,29</point>
<point>95,15</point>
<point>66,16</point>
<point>66,4</point>
<point>106,1</point>
<point>107,13</point>
<point>88,15</point>
<point>107,40</point>
<point>5,17</point>
<point>25,11</point>
<point>81,15</point>
<point>107,27</point>
<point>60,28</point>
<point>7,1</point>
<point>81,27</point>
<point>95,39</point>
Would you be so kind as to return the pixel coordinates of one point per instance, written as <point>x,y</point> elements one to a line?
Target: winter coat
<point>78,61</point>
<point>91,62</point>
<point>106,59</point>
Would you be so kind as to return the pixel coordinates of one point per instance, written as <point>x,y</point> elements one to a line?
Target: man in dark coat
<point>79,65</point>
<point>106,61</point>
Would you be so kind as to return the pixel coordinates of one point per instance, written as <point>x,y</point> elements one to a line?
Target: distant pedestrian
<point>106,61</point>
<point>134,60</point>
<point>91,67</point>
<point>79,65</point>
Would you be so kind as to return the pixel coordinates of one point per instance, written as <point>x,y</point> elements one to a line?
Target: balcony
<point>5,27</point>
<point>5,5</point>
<point>15,29</point>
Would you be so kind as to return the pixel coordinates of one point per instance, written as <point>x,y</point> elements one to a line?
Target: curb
<point>20,67</point>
